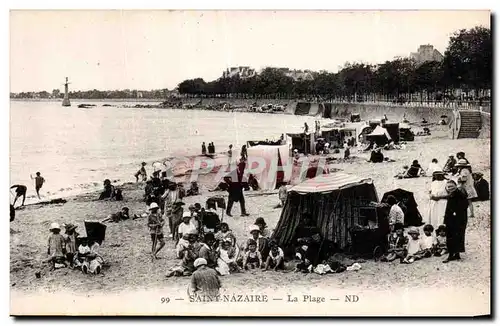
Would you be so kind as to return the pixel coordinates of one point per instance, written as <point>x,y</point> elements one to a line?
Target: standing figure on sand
<point>235,190</point>
<point>230,155</point>
<point>39,181</point>
<point>203,149</point>
<point>211,148</point>
<point>142,173</point>
<point>20,192</point>
<point>438,196</point>
<point>155,225</point>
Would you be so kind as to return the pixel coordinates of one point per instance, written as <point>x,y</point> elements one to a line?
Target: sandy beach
<point>127,244</point>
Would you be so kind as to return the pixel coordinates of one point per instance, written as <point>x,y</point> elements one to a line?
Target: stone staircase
<point>470,124</point>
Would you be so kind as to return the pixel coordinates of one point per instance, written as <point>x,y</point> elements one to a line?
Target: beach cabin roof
<point>330,182</point>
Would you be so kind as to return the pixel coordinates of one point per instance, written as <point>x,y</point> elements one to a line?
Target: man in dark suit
<point>235,190</point>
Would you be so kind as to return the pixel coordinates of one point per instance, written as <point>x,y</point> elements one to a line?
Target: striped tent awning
<point>329,182</point>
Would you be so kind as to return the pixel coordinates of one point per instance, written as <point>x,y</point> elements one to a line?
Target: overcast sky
<point>158,49</point>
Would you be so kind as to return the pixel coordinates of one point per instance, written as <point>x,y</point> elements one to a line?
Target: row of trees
<point>96,94</point>
<point>467,65</point>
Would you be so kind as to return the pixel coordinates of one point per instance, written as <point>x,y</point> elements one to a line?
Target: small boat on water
<point>86,106</point>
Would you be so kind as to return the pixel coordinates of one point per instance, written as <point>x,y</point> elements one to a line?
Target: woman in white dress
<point>465,180</point>
<point>438,194</point>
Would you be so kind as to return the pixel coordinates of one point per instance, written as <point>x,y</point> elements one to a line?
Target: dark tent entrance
<point>393,130</point>
<point>412,215</point>
<point>336,202</point>
<point>327,111</point>
<point>302,108</point>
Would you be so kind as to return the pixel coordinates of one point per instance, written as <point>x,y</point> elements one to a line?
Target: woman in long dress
<point>455,219</point>
<point>438,195</point>
<point>466,181</point>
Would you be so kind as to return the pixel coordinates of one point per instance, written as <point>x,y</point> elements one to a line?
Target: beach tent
<point>336,202</point>
<point>273,157</point>
<point>374,123</point>
<point>379,135</point>
<point>405,132</point>
<point>304,143</point>
<point>412,215</point>
<point>393,130</point>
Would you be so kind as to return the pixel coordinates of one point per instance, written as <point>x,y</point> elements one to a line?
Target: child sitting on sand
<point>83,251</point>
<point>252,258</point>
<point>415,248</point>
<point>185,227</point>
<point>428,241</point>
<point>56,248</point>
<point>228,257</point>
<point>303,253</point>
<point>440,247</point>
<point>397,244</point>
<point>276,259</point>
<point>188,256</point>
<point>93,261</point>
<point>225,233</point>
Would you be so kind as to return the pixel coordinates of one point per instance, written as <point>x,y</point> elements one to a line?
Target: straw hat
<point>186,214</point>
<point>199,262</point>
<point>54,226</point>
<point>462,162</point>
<point>413,230</point>
<point>153,206</point>
<point>254,228</point>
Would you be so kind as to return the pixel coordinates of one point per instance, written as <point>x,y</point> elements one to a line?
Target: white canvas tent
<point>265,161</point>
<point>379,131</point>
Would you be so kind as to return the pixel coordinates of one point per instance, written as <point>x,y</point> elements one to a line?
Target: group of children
<point>221,250</point>
<point>62,250</point>
<point>412,247</point>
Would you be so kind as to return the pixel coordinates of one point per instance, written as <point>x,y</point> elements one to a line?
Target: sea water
<point>75,149</point>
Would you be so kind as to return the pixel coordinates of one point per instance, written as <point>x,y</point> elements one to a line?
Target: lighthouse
<point>66,94</point>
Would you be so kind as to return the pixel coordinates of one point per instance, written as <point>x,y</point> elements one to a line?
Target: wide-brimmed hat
<point>54,226</point>
<point>70,226</point>
<point>260,220</point>
<point>186,214</point>
<point>413,230</point>
<point>199,262</point>
<point>153,206</point>
<point>462,162</point>
<point>253,228</point>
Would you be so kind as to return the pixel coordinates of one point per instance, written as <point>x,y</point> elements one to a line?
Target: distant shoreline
<point>89,100</point>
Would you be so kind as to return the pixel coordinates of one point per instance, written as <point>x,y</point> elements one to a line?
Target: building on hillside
<point>296,74</point>
<point>426,53</point>
<point>242,72</point>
